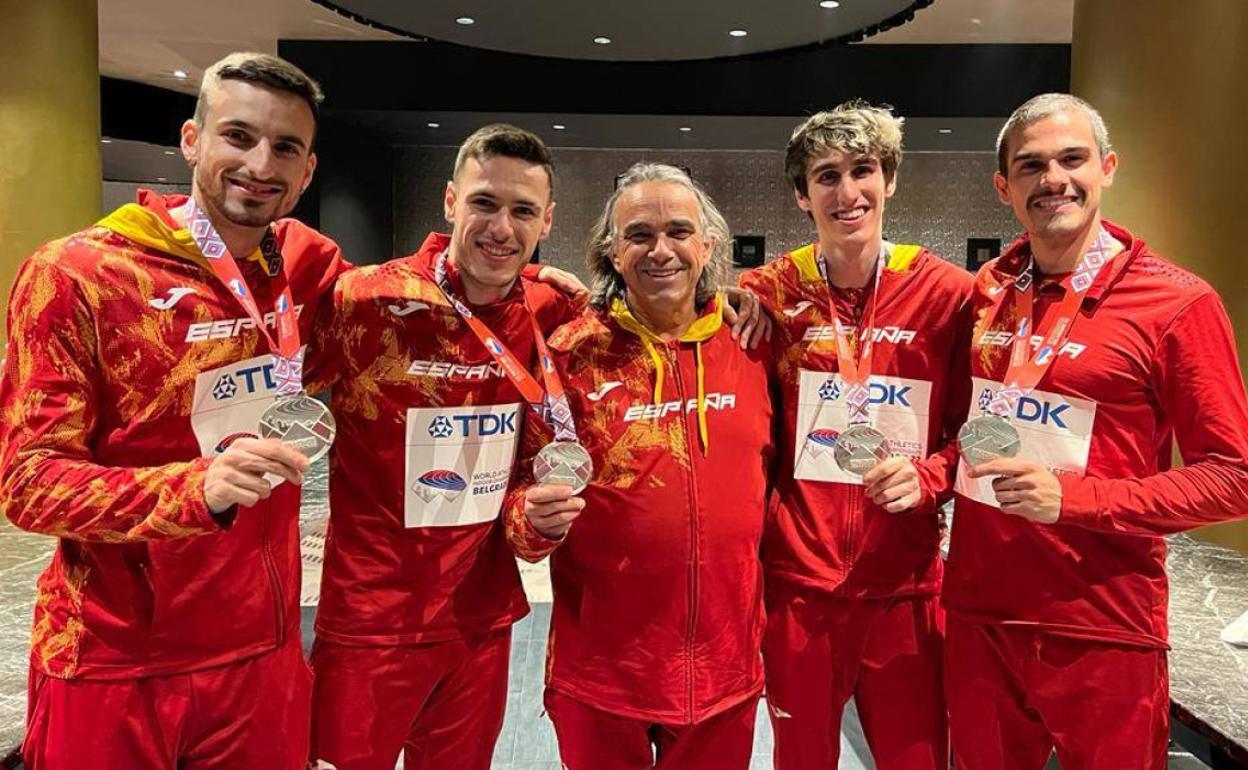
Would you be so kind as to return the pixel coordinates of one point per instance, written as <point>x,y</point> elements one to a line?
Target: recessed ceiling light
<point>106,141</point>
<point>180,74</point>
<point>558,126</point>
<point>465,20</point>
<point>944,130</point>
<point>686,129</point>
<point>434,125</point>
<point>977,21</point>
<point>600,40</point>
<point>170,152</point>
<point>738,32</point>
<point>829,4</point>
<point>161,179</point>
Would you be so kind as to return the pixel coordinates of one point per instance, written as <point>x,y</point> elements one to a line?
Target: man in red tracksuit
<point>166,629</point>
<point>1056,589</point>
<point>852,562</point>
<point>653,658</point>
<point>420,589</point>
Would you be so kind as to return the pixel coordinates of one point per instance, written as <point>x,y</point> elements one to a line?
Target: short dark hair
<point>501,139</point>
<point>264,69</point>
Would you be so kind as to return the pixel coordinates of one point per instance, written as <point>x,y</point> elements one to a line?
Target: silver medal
<point>987,437</point>
<point>301,423</point>
<point>564,462</point>
<point>860,448</point>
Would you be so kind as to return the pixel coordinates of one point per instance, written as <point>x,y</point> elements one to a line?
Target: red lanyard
<point>856,371</point>
<point>287,357</point>
<point>1026,370</point>
<point>549,403</point>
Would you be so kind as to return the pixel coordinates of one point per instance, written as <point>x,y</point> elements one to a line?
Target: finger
<point>896,492</point>
<point>884,469</point>
<point>548,493</point>
<point>275,451</point>
<point>749,333</point>
<point>998,467</point>
<point>762,330</point>
<point>732,318</point>
<point>259,466</point>
<point>903,503</point>
<point>250,482</point>
<point>547,515</point>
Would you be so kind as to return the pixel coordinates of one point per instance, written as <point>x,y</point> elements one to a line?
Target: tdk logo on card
<point>472,425</point>
<point>1042,412</point>
<point>249,379</point>
<point>890,395</point>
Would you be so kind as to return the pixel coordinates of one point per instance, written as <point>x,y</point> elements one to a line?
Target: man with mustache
<point>1092,355</point>
<point>653,656</point>
<point>142,353</point>
<point>852,554</point>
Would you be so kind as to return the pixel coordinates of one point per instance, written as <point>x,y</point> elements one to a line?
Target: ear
<point>890,186</point>
<point>190,142</point>
<point>1002,186</point>
<point>448,203</point>
<point>548,218</point>
<point>803,202</point>
<point>1109,166</point>
<point>307,173</point>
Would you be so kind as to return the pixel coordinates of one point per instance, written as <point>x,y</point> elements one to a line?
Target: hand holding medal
<point>991,436</point>
<point>563,461</point>
<point>295,419</point>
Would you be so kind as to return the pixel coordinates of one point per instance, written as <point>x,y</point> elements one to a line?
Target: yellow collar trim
<point>700,330</point>
<point>807,260</point>
<point>145,227</point>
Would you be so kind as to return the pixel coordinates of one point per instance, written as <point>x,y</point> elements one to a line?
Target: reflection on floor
<point>528,741</point>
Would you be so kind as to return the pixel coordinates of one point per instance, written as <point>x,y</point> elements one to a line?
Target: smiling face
<point>1055,175</point>
<point>252,155</point>
<point>845,195</point>
<point>499,209</point>
<point>661,247</point>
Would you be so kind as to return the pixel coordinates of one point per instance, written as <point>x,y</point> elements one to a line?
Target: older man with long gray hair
<point>656,627</point>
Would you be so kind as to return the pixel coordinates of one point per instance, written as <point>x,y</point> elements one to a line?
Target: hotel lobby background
<point>1170,78</point>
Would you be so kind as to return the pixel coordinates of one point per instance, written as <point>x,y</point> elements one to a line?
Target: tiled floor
<point>528,742</point>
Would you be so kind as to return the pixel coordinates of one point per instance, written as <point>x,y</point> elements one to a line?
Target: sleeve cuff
<point>1079,502</point>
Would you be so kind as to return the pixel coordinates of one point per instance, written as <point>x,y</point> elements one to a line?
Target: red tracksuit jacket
<point>658,608</point>
<point>129,366</point>
<point>823,532</point>
<point>1150,358</point>
<point>427,431</point>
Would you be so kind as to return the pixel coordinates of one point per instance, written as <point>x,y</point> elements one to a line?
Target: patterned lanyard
<point>549,403</point>
<point>1025,370</point>
<point>286,352</point>
<point>855,370</point>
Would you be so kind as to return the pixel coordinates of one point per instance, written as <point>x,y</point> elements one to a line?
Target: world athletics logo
<point>439,483</point>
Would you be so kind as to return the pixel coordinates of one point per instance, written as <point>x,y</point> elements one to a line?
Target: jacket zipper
<point>270,565</point>
<point>693,529</point>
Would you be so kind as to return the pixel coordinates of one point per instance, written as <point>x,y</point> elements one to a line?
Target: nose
<point>260,160</point>
<point>847,192</point>
<point>501,228</point>
<point>664,249</point>
<point>1054,175</point>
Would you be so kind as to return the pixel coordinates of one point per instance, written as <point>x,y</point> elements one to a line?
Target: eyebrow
<point>633,227</point>
<point>291,138</point>
<point>1021,156</point>
<point>857,160</point>
<point>492,198</point>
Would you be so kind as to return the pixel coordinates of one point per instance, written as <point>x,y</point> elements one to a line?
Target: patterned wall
<point>942,198</point>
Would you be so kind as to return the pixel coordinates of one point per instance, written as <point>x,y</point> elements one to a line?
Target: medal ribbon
<point>1025,370</point>
<point>856,370</point>
<point>287,357</point>
<point>550,403</point>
